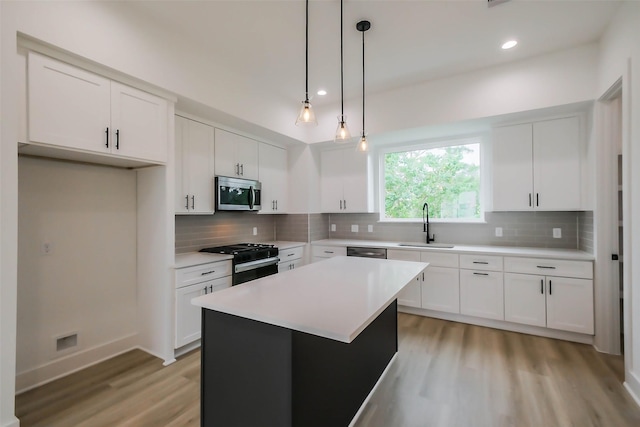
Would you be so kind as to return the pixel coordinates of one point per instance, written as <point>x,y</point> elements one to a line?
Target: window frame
<point>427,145</point>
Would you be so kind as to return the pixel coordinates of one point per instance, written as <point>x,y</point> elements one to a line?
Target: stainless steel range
<point>250,260</point>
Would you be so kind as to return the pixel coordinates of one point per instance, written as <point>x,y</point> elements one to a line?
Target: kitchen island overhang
<point>301,348</point>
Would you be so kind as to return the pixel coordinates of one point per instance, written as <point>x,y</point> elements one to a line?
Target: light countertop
<point>567,254</point>
<point>336,298</point>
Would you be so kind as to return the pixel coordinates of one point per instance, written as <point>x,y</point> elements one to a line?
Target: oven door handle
<point>252,265</point>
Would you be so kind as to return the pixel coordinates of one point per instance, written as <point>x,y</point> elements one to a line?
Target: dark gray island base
<point>255,374</point>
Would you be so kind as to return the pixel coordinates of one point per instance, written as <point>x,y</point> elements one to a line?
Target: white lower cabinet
<point>561,303</point>
<point>441,289</point>
<point>481,294</point>
<point>561,298</point>
<point>192,282</point>
<point>290,258</point>
<point>411,295</point>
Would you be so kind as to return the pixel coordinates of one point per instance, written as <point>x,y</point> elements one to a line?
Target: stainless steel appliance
<point>367,252</point>
<point>250,260</point>
<point>237,194</point>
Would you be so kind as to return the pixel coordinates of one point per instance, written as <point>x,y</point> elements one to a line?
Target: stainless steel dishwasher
<point>367,252</point>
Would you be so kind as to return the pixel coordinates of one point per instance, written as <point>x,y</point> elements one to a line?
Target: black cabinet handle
<point>276,205</point>
<point>205,290</point>
<point>187,199</point>
<point>242,169</point>
<point>542,286</point>
<point>546,266</point>
<point>550,288</point>
<point>211,288</point>
<point>328,252</point>
<point>193,202</point>
<point>117,139</point>
<point>107,132</point>
<point>537,199</point>
<point>340,204</point>
<point>481,274</point>
<point>481,262</point>
<point>529,199</point>
<point>208,272</point>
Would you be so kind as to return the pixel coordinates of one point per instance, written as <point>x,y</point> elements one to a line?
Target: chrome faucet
<point>425,223</point>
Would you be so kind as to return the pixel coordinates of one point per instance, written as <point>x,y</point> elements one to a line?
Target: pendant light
<point>342,132</point>
<point>306,116</point>
<point>363,145</point>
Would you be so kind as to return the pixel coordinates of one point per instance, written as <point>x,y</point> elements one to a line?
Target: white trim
<point>499,324</point>
<point>373,390</point>
<point>56,369</point>
<point>632,384</point>
<point>12,423</point>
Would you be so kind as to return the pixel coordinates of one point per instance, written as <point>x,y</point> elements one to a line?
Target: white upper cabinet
<point>236,155</point>
<point>536,166</point>
<point>345,183</point>
<point>74,109</point>
<point>272,171</point>
<point>194,150</point>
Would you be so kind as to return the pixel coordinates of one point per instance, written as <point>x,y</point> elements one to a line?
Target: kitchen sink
<point>428,245</point>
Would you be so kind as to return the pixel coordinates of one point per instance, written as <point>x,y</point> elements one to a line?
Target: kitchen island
<point>301,348</point>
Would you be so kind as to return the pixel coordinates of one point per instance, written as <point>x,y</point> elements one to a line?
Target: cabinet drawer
<point>329,251</point>
<point>549,267</point>
<point>439,259</point>
<point>481,262</point>
<point>201,273</point>
<point>290,254</point>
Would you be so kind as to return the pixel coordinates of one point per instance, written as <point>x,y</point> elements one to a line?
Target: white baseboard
<point>74,362</point>
<point>632,384</point>
<point>499,324</point>
<point>187,348</point>
<point>12,423</point>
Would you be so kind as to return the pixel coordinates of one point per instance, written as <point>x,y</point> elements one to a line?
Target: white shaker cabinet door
<point>441,289</point>
<point>482,294</point>
<point>331,176</point>
<point>198,167</point>
<point>525,299</point>
<point>139,124</point>
<point>354,181</point>
<point>68,106</point>
<point>512,168</point>
<point>272,171</point>
<point>556,164</point>
<point>181,205</point>
<point>570,304</point>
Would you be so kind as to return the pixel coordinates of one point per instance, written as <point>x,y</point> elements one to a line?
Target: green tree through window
<point>448,178</point>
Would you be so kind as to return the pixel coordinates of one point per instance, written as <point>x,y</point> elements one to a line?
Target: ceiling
<point>409,41</point>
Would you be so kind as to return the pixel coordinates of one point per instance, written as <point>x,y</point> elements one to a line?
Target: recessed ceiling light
<point>322,92</point>
<point>509,44</point>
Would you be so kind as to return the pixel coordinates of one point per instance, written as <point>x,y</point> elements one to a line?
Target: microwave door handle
<point>252,197</point>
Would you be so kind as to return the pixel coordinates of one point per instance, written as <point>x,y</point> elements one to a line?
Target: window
<point>446,176</point>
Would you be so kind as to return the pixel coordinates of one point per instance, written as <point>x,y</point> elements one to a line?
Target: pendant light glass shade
<point>363,145</point>
<point>306,116</point>
<point>342,131</point>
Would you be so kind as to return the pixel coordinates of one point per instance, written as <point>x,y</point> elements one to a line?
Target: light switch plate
<point>255,231</point>
<point>557,233</point>
<point>354,228</point>
<point>370,228</point>
<point>333,227</point>
<point>498,231</point>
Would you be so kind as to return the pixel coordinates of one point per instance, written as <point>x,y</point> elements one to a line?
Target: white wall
<point>87,283</point>
<point>620,57</point>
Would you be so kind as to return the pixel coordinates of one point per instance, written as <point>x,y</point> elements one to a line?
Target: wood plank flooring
<point>446,374</point>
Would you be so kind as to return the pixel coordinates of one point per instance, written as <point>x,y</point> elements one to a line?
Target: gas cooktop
<point>245,252</point>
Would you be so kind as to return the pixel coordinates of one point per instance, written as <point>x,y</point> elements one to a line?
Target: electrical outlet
<point>498,231</point>
<point>47,248</point>
<point>354,228</point>
<point>255,231</point>
<point>557,233</point>
<point>333,227</point>
<point>370,228</point>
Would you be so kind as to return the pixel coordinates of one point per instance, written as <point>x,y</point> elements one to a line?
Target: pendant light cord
<point>341,68</point>
<point>306,54</point>
<point>363,83</point>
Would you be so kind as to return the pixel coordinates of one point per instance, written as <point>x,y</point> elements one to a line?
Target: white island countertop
<point>336,298</point>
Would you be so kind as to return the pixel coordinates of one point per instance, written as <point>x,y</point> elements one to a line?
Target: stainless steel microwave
<point>237,194</point>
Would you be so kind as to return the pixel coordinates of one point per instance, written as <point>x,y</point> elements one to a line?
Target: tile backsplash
<point>530,229</point>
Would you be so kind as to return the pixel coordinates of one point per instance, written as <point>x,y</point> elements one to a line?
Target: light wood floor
<point>446,374</point>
